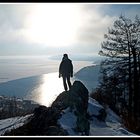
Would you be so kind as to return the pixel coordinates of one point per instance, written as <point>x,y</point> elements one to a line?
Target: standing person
<point>66,71</point>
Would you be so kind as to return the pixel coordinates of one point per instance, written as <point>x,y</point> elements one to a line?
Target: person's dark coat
<point>66,67</point>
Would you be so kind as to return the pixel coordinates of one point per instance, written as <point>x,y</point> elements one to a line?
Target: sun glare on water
<point>54,25</point>
<point>50,88</point>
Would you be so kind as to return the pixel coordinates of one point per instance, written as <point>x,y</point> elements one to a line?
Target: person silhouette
<point>66,71</point>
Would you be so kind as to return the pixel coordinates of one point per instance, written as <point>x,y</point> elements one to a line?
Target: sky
<point>56,28</point>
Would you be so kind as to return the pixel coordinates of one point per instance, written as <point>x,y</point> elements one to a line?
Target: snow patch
<point>12,123</point>
<point>112,117</point>
<point>111,127</point>
<point>68,121</point>
<point>93,107</point>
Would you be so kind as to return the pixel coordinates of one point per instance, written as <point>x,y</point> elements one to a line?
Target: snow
<point>93,110</point>
<point>111,127</point>
<point>12,123</point>
<point>68,121</point>
<point>112,117</point>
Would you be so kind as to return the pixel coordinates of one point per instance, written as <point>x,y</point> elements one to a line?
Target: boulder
<point>78,101</point>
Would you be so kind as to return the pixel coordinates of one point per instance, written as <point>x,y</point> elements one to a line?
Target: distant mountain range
<point>80,57</point>
<point>89,76</point>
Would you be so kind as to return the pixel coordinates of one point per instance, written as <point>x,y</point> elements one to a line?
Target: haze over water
<point>34,78</point>
<point>16,67</point>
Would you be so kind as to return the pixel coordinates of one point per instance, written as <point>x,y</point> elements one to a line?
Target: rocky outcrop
<point>44,120</point>
<point>77,100</point>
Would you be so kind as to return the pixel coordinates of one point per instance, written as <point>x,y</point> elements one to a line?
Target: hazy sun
<point>54,25</point>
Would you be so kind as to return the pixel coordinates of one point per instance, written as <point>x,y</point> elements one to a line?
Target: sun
<point>55,25</point>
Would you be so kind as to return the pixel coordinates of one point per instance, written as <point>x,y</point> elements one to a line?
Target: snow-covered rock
<point>69,110</point>
<point>68,121</point>
<point>12,123</point>
<point>13,106</point>
<point>94,107</point>
<point>111,127</point>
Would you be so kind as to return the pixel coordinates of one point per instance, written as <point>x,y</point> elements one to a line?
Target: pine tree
<point>122,50</point>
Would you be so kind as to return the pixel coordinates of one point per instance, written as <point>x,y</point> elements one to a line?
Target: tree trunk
<point>130,83</point>
<point>136,99</point>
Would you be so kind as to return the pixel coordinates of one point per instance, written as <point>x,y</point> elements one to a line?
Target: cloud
<point>13,15</point>
<point>99,18</point>
<point>97,24</point>
<point>12,18</point>
<point>94,23</point>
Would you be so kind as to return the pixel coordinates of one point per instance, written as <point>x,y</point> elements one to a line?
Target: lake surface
<point>16,67</point>
<point>34,78</point>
